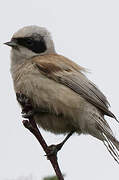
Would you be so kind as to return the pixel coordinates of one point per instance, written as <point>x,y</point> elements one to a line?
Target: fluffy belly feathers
<point>67,110</point>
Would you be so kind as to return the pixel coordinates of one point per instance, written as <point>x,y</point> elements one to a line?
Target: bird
<point>65,99</point>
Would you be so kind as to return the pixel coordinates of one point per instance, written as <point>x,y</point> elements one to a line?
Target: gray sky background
<point>86,31</point>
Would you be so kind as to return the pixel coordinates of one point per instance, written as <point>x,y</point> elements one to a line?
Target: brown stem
<point>30,124</point>
<point>32,127</point>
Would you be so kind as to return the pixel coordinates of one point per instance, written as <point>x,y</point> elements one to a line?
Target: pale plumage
<point>59,86</point>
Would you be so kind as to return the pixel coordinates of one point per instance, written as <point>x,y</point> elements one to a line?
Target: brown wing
<point>70,74</point>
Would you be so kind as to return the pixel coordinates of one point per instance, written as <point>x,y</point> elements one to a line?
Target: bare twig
<point>32,127</point>
<point>30,124</point>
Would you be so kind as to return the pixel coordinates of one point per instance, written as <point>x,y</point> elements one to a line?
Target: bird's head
<point>31,41</point>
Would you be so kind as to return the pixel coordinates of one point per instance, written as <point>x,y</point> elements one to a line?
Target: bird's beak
<point>11,44</point>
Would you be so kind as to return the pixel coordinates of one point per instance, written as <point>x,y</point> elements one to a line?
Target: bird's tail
<point>109,140</point>
<point>112,146</point>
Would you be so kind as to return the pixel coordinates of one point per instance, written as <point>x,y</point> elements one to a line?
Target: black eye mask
<point>37,46</point>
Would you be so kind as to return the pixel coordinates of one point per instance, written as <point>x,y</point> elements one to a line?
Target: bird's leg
<point>55,148</point>
<point>28,111</point>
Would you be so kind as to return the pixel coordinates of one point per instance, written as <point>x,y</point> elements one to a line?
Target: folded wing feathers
<point>81,85</point>
<point>70,74</point>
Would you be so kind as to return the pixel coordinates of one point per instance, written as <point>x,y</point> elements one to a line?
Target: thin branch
<point>30,124</point>
<point>32,127</point>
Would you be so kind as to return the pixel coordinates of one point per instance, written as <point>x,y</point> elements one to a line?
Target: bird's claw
<point>27,114</point>
<point>27,109</point>
<point>23,100</point>
<point>53,149</point>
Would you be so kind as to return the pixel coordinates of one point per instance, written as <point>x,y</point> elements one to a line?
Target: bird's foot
<point>53,149</point>
<point>23,99</point>
<point>28,113</point>
<point>25,102</point>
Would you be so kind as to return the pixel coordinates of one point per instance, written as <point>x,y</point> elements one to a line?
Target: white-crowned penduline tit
<point>57,84</point>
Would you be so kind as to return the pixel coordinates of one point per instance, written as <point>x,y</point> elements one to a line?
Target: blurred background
<point>86,31</point>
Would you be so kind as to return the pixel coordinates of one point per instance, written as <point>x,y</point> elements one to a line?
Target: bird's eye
<point>29,42</point>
